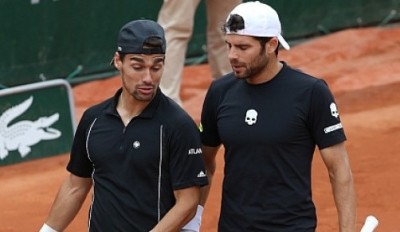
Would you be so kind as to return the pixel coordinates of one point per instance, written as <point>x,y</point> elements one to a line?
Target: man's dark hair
<point>234,23</point>
<point>263,41</point>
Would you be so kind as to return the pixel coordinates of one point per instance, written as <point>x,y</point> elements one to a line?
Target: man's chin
<point>144,98</point>
<point>240,75</point>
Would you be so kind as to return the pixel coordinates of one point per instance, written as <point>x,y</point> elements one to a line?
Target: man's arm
<point>68,202</point>
<point>337,163</point>
<point>183,211</point>
<point>209,154</point>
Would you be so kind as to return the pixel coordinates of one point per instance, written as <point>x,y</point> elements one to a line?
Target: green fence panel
<point>302,19</point>
<point>50,39</point>
<point>44,39</point>
<point>36,120</point>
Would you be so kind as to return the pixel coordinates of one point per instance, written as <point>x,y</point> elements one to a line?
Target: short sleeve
<point>186,161</point>
<point>208,126</point>
<point>79,163</point>
<point>324,119</point>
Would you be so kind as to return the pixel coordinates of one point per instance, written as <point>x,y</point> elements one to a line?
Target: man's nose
<point>232,54</point>
<point>147,78</point>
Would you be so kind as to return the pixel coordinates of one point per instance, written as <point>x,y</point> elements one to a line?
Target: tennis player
<point>138,150</point>
<point>270,118</point>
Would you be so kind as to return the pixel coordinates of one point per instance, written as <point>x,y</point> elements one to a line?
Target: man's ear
<point>117,61</point>
<point>272,45</point>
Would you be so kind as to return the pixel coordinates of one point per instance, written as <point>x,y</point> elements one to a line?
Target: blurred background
<point>75,40</point>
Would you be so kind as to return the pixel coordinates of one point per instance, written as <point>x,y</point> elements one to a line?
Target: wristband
<point>194,224</point>
<point>47,228</point>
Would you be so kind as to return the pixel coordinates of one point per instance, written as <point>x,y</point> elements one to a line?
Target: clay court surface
<point>361,66</point>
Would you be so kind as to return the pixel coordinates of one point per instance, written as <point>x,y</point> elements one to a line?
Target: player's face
<point>141,74</point>
<point>247,57</point>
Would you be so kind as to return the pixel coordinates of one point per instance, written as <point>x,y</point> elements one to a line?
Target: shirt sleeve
<point>208,125</point>
<point>79,163</point>
<point>324,120</point>
<point>186,161</point>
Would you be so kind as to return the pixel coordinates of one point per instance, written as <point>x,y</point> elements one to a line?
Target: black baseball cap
<point>132,37</point>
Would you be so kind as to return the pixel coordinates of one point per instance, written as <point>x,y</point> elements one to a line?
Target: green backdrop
<point>75,39</point>
<point>31,127</point>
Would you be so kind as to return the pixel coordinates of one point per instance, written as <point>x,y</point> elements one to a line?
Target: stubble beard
<point>144,98</point>
<point>137,95</point>
<point>255,67</point>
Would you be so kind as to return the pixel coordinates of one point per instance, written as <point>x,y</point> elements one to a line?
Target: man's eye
<point>156,68</point>
<point>137,67</point>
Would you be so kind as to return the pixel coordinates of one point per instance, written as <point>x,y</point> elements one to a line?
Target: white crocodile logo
<point>24,134</point>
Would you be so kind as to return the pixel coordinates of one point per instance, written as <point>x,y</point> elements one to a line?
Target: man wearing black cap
<point>139,150</point>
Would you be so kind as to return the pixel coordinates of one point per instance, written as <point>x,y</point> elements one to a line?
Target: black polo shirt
<point>269,132</point>
<point>136,168</point>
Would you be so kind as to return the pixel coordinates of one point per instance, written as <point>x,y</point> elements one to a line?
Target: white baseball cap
<point>260,20</point>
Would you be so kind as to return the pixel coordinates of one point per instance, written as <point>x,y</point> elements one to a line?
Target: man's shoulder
<point>226,79</point>
<point>298,72</point>
<point>170,111</point>
<point>224,83</point>
<point>99,108</point>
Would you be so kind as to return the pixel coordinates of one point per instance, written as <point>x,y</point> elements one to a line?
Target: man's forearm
<point>174,220</point>
<point>345,200</point>
<point>182,212</point>
<point>67,204</point>
<point>205,191</point>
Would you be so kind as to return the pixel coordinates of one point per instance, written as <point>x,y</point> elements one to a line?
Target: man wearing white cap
<point>270,118</point>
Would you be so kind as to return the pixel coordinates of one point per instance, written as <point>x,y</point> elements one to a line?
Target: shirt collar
<point>148,112</point>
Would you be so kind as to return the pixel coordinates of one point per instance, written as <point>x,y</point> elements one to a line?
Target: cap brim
<point>283,42</point>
